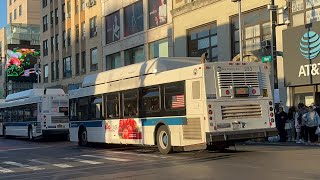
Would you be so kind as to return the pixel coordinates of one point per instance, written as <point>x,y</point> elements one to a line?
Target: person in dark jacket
<point>281,118</point>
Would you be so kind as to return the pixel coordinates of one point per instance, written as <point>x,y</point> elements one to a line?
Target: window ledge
<point>192,6</point>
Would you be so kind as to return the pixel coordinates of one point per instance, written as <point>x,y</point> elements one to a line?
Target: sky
<point>3,13</point>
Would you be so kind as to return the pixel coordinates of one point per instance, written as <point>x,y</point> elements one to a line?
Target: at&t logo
<point>310,45</point>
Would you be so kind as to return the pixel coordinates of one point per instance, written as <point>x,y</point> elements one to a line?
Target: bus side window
<point>174,96</point>
<point>150,99</point>
<point>83,109</point>
<point>113,108</point>
<point>1,116</point>
<point>130,103</point>
<point>95,107</point>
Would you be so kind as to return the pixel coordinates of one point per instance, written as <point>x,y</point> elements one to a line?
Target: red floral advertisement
<point>128,129</point>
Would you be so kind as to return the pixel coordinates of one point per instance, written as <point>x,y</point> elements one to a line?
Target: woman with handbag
<point>289,126</point>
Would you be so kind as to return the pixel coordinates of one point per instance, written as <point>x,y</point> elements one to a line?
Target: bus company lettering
<point>306,70</point>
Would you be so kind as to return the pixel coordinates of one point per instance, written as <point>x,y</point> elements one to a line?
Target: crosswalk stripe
<point>83,161</point>
<point>4,170</point>
<point>137,154</point>
<point>56,165</point>
<point>108,158</point>
<point>35,168</point>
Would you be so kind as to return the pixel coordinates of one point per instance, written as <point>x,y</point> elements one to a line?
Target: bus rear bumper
<point>242,135</point>
<point>55,132</point>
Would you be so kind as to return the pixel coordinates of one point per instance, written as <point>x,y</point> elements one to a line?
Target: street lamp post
<point>240,28</point>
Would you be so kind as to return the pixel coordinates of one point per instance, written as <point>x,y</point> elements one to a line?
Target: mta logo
<point>310,45</point>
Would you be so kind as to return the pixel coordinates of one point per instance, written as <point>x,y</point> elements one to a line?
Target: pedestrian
<point>312,121</point>
<point>290,128</point>
<point>299,122</point>
<point>281,118</point>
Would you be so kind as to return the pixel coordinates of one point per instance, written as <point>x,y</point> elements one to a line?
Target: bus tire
<point>83,137</point>
<point>30,134</point>
<point>4,132</point>
<point>164,140</point>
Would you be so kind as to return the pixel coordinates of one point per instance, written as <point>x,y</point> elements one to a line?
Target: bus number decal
<point>248,68</point>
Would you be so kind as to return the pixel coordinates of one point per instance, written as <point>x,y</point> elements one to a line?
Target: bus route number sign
<point>241,91</point>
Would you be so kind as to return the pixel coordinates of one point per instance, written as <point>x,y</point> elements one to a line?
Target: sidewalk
<point>317,144</point>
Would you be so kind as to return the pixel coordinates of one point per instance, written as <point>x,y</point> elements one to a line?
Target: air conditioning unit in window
<point>88,4</point>
<point>265,43</point>
<point>68,15</point>
<point>93,2</point>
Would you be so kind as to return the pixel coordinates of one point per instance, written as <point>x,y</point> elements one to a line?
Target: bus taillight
<point>227,92</point>
<point>271,114</point>
<point>210,112</point>
<point>254,91</point>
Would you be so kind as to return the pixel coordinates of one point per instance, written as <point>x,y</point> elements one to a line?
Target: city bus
<point>174,103</point>
<point>35,113</point>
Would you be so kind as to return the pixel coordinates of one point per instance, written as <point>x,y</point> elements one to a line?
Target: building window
<point>83,62</point>
<point>51,18</point>
<point>10,17</point>
<point>69,37</point>
<point>159,49</point>
<point>157,13</point>
<point>46,73</point>
<point>57,42</point>
<point>45,48</point>
<point>94,59</point>
<point>57,70</point>
<point>10,2</point>
<point>45,23</point>
<point>64,38</point>
<point>52,71</point>
<point>83,5</point>
<point>20,10</point>
<point>256,28</point>
<point>113,27</point>
<point>77,7</point>
<point>133,18</point>
<point>44,3</point>
<point>52,44</point>
<point>15,14</point>
<point>68,9</point>
<point>77,64</point>
<point>83,30</point>
<point>304,12</point>
<point>113,61</point>
<point>57,16</point>
<point>93,27</point>
<point>134,55</point>
<point>203,39</point>
<point>67,72</point>
<point>63,9</point>
<point>77,33</point>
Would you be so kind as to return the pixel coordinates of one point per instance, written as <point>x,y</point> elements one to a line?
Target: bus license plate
<point>59,126</point>
<point>236,126</point>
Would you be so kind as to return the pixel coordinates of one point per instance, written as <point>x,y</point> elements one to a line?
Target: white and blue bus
<point>174,102</point>
<point>35,113</point>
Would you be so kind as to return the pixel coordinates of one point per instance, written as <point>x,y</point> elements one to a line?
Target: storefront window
<point>303,94</point>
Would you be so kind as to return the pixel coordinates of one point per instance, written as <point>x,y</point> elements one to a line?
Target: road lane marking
<point>56,165</point>
<point>4,170</point>
<point>108,158</point>
<point>18,149</point>
<point>83,161</point>
<point>35,168</point>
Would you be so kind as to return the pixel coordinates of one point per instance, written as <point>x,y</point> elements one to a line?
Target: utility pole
<point>273,64</point>
<point>240,28</point>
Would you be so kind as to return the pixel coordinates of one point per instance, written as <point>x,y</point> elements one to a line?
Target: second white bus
<point>35,113</point>
<point>174,102</point>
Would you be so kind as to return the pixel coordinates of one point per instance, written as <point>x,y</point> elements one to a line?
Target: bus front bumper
<point>241,135</point>
<point>55,132</point>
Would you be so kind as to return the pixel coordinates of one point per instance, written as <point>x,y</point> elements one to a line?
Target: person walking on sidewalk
<point>299,122</point>
<point>281,118</point>
<point>290,128</point>
<point>312,122</point>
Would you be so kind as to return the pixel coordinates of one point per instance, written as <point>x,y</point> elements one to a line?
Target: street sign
<point>266,59</point>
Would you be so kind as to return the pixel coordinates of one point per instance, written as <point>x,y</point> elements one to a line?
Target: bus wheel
<point>164,140</point>
<point>83,137</point>
<point>4,132</point>
<point>30,134</point>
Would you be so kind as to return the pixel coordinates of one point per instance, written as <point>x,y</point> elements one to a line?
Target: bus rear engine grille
<point>225,80</point>
<point>59,119</point>
<point>246,111</point>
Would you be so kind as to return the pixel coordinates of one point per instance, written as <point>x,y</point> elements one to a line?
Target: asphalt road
<point>21,159</point>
